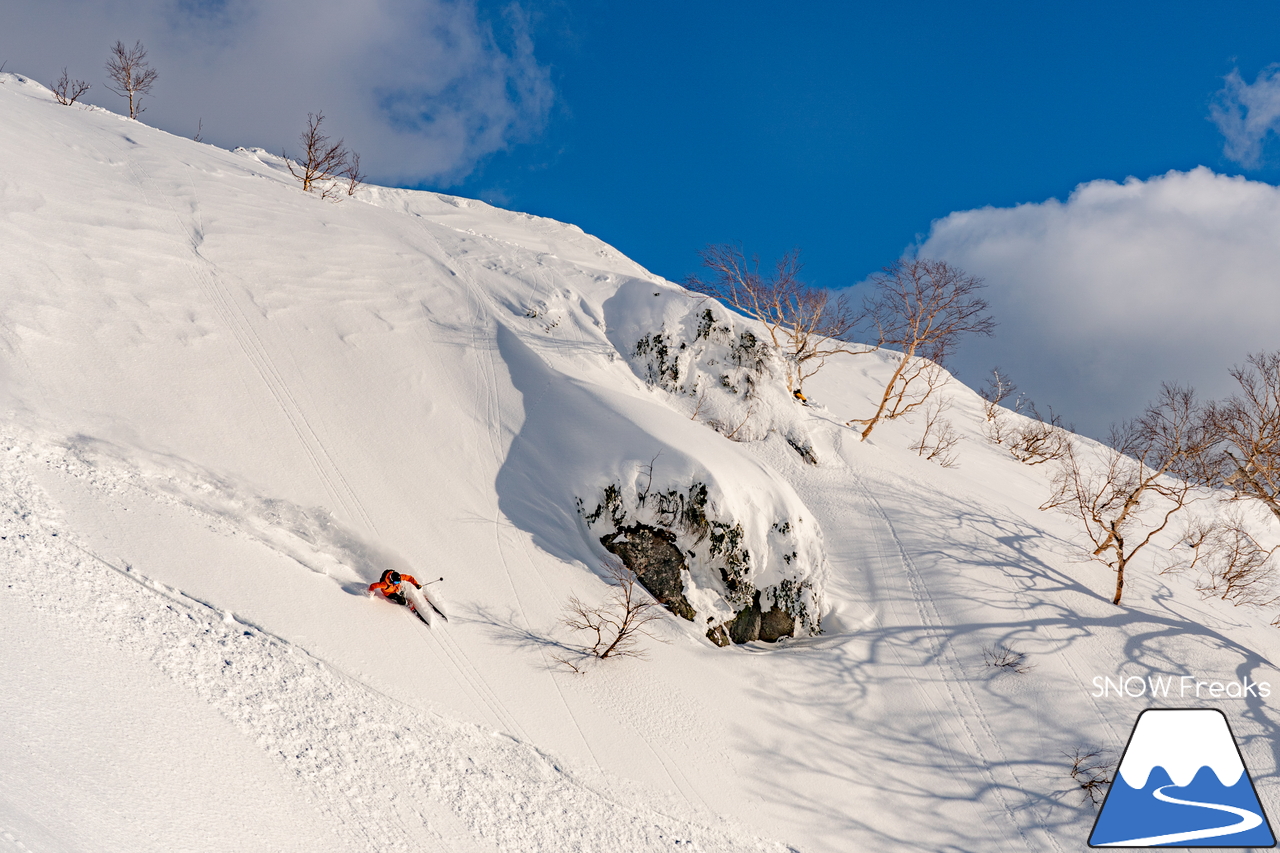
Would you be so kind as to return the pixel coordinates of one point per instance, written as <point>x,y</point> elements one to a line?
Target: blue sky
<point>845,129</point>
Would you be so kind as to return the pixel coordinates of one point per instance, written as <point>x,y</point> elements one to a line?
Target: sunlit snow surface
<point>229,405</point>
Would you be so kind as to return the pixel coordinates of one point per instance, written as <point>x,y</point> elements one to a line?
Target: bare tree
<point>1234,566</point>
<point>1142,482</point>
<point>67,90</point>
<point>997,389</point>
<point>132,74</point>
<point>322,163</point>
<point>199,134</point>
<point>940,437</point>
<point>1246,432</point>
<point>1093,772</point>
<point>614,628</point>
<point>807,324</point>
<point>1039,439</point>
<point>355,178</point>
<point>921,308</point>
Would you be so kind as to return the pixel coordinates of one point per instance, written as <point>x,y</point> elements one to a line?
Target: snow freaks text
<point>1179,686</point>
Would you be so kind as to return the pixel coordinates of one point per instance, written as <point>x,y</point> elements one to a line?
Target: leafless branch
<point>1246,432</point>
<point>322,162</point>
<point>355,178</point>
<point>614,627</point>
<point>67,90</point>
<point>998,388</point>
<point>1129,499</point>
<point>1233,565</point>
<point>132,74</point>
<point>1041,440</point>
<point>1093,772</point>
<point>1003,657</point>
<point>940,437</point>
<point>807,325</point>
<point>921,308</point>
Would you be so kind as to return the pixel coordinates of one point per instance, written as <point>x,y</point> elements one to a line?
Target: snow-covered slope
<point>228,405</point>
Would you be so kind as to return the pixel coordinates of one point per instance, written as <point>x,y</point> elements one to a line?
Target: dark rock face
<point>745,627</point>
<point>776,623</point>
<point>752,623</point>
<point>652,554</point>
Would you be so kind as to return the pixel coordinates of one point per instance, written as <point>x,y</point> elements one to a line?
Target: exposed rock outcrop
<point>652,554</point>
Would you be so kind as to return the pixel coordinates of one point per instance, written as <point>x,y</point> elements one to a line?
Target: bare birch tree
<point>1233,565</point>
<point>132,74</point>
<point>322,163</point>
<point>940,438</point>
<point>806,324</point>
<point>922,309</point>
<point>1246,432</point>
<point>67,90</point>
<point>355,178</point>
<point>1147,474</point>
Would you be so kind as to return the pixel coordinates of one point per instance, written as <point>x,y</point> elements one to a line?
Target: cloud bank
<point>423,89</point>
<point>1246,113</point>
<point>1101,298</point>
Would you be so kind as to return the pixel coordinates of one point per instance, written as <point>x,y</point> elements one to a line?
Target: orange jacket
<point>386,587</point>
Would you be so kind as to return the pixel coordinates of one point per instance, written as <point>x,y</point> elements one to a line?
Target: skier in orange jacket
<point>389,585</point>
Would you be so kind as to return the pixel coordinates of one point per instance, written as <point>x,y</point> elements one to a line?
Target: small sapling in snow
<point>1005,658</point>
<point>940,437</point>
<point>1092,772</point>
<point>67,90</point>
<point>614,627</point>
<point>323,163</point>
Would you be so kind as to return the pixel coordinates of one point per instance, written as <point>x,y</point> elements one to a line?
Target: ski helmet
<point>394,577</point>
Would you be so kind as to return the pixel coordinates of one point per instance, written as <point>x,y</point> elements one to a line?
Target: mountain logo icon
<point>1182,783</point>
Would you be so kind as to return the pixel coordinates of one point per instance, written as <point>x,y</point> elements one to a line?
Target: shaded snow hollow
<point>228,405</point>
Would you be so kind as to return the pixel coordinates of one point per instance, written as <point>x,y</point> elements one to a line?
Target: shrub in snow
<point>68,91</point>
<point>614,628</point>
<point>742,578</point>
<point>324,164</point>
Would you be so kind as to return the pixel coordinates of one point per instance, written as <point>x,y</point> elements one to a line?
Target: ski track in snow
<point>951,670</point>
<point>485,355</point>
<point>448,785</point>
<point>256,352</point>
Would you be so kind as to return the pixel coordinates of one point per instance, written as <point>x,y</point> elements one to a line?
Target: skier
<point>390,583</point>
<point>405,589</point>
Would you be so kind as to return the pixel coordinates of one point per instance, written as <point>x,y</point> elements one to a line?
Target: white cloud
<point>1246,113</point>
<point>423,89</point>
<point>1123,286</point>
